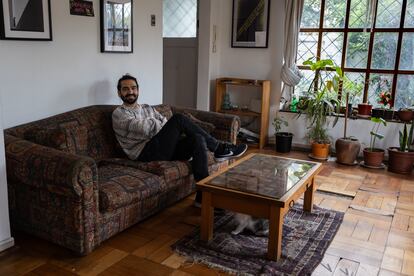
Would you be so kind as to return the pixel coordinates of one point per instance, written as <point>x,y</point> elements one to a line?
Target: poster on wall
<point>116,26</point>
<point>81,7</point>
<point>25,20</point>
<point>250,23</point>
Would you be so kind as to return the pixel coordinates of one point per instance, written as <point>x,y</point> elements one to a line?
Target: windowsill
<point>351,117</point>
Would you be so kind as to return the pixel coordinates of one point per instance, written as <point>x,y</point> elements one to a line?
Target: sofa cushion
<point>121,186</point>
<point>72,139</point>
<point>208,127</point>
<point>164,110</point>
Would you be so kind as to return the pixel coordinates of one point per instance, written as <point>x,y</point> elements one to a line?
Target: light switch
<point>153,20</point>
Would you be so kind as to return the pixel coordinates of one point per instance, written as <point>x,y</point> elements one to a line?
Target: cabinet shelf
<point>264,87</point>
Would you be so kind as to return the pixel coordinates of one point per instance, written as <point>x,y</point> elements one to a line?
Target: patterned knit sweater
<point>135,126</point>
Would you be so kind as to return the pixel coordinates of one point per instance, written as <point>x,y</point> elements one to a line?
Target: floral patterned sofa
<point>69,181</point>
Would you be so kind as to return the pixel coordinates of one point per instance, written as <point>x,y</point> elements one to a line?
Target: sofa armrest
<point>227,125</point>
<point>53,194</point>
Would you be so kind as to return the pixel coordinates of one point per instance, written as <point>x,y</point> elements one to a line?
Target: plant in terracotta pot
<point>321,102</point>
<point>283,139</point>
<point>401,159</point>
<point>347,147</point>
<point>405,114</point>
<point>373,156</point>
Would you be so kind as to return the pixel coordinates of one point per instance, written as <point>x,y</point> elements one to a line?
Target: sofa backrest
<point>85,131</point>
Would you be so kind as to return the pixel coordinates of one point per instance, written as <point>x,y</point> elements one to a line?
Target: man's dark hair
<point>126,77</point>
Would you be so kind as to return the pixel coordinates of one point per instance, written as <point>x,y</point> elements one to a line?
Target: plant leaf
<point>378,135</point>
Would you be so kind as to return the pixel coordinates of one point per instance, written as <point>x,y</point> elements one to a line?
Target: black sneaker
<point>226,151</point>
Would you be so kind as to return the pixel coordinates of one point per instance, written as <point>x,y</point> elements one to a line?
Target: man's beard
<point>129,100</point>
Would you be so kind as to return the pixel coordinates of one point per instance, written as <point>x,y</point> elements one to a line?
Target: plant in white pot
<point>283,139</point>
<point>321,102</point>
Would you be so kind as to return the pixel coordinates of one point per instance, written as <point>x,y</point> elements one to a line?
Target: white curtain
<point>291,75</point>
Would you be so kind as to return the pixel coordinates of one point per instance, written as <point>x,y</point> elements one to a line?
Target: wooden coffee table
<point>262,186</point>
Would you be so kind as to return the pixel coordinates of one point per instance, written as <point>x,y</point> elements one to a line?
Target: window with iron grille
<point>371,40</point>
<point>179,18</point>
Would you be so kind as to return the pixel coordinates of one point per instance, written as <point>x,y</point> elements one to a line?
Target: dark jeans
<point>180,139</point>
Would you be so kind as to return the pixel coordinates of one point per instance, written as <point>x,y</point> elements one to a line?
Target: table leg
<point>207,217</point>
<point>308,200</point>
<point>274,247</point>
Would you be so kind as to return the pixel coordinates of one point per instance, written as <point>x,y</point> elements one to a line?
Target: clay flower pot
<point>405,115</point>
<point>400,162</point>
<point>347,150</point>
<point>320,151</point>
<point>373,158</point>
<point>364,109</point>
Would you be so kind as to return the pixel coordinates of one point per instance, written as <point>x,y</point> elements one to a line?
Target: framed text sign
<point>250,23</point>
<point>25,20</point>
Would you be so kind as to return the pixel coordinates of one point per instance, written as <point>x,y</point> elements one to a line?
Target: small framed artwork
<point>81,7</point>
<point>25,20</point>
<point>116,26</point>
<point>250,23</point>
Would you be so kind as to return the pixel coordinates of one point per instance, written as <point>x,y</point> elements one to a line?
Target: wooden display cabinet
<point>264,85</point>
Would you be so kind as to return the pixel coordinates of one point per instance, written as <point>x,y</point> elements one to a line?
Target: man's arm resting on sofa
<point>227,125</point>
<point>54,192</point>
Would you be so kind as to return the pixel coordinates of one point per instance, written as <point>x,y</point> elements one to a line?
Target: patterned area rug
<point>305,239</point>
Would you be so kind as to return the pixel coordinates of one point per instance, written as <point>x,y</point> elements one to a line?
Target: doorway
<point>180,60</point>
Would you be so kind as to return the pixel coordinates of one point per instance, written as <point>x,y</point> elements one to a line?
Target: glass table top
<point>264,175</point>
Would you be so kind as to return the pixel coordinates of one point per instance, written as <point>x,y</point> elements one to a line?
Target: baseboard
<point>4,244</point>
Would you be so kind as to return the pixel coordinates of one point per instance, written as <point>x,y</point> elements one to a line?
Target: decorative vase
<point>347,150</point>
<point>283,141</point>
<point>400,162</point>
<point>364,109</point>
<point>373,158</point>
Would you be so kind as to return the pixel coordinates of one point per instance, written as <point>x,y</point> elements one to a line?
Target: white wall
<point>39,79</point>
<point>6,240</point>
<point>266,64</point>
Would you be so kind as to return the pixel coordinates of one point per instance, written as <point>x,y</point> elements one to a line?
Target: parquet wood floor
<point>375,238</point>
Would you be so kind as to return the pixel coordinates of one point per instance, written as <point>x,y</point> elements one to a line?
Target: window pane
<point>407,50</point>
<point>307,47</point>
<point>334,13</point>
<point>311,14</point>
<point>332,44</point>
<point>180,18</point>
<point>359,14</point>
<point>357,50</point>
<point>384,51</point>
<point>302,88</point>
<point>409,14</point>
<point>388,13</point>
<point>378,83</point>
<point>355,88</point>
<point>405,92</point>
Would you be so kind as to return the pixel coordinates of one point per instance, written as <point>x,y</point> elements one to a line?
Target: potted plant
<point>401,159</point>
<point>373,156</point>
<point>347,147</point>
<point>283,139</point>
<point>384,111</point>
<point>364,110</point>
<point>405,114</point>
<point>320,102</point>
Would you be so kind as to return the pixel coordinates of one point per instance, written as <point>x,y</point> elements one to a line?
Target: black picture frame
<point>32,21</point>
<point>250,24</point>
<point>116,39</point>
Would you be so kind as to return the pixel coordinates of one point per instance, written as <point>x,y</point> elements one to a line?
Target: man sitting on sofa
<point>145,135</point>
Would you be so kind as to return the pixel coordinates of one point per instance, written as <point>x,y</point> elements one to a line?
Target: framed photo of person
<point>25,20</point>
<point>250,23</point>
<point>116,26</point>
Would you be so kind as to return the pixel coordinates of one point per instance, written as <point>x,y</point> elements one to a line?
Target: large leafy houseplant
<point>322,100</point>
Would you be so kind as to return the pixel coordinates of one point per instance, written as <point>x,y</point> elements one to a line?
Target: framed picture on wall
<point>116,26</point>
<point>250,23</point>
<point>25,20</point>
